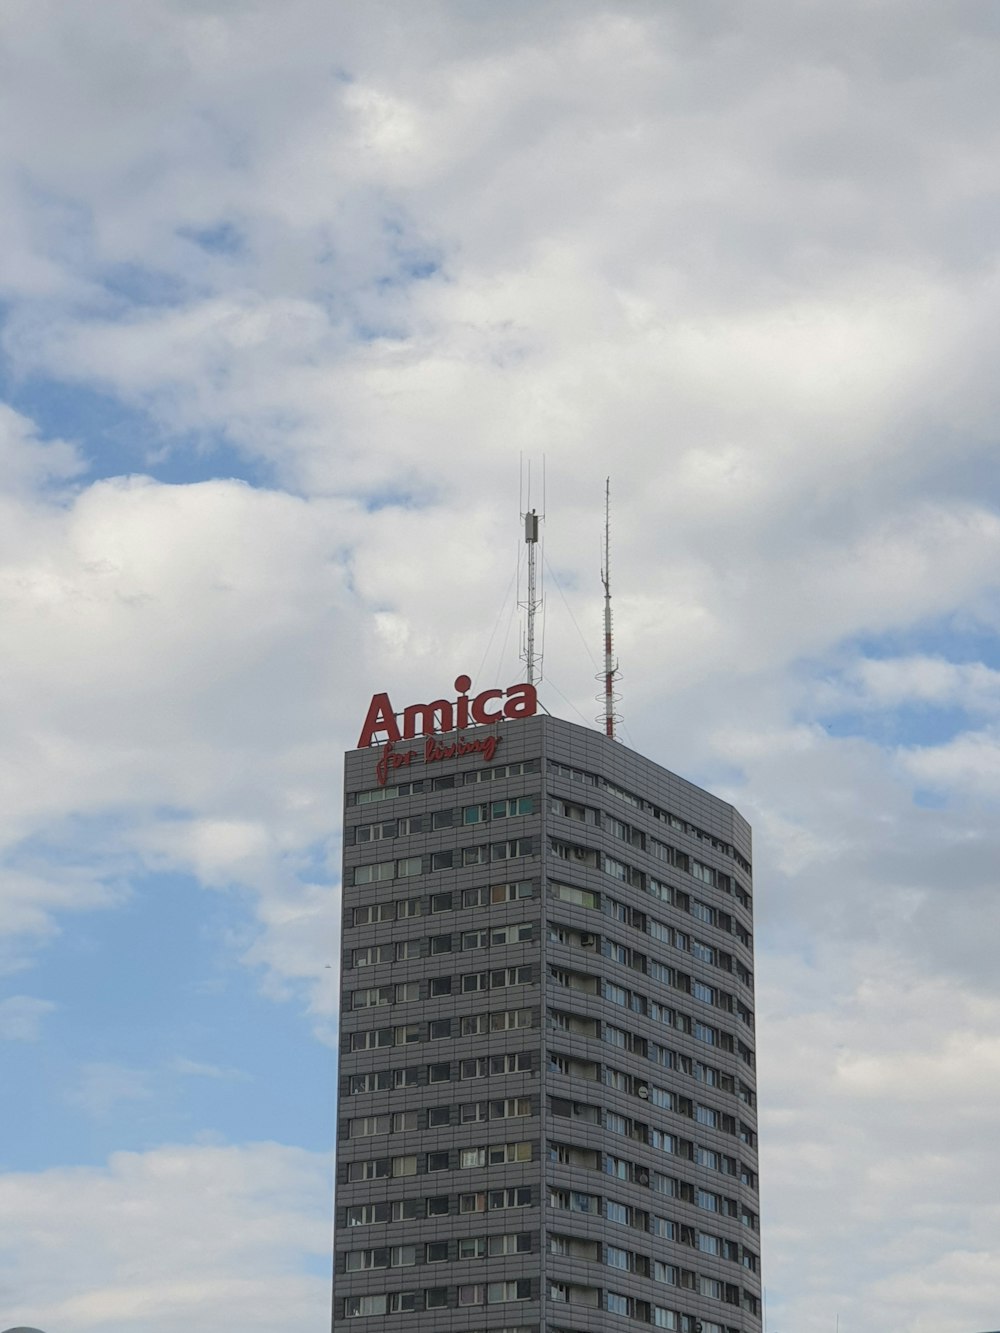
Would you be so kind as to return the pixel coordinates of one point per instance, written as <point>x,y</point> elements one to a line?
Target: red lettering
<point>389,760</point>
<point>462,683</point>
<point>380,717</point>
<point>479,713</point>
<point>522,701</point>
<point>424,714</point>
<point>443,716</point>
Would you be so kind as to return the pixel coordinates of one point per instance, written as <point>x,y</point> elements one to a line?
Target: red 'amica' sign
<point>444,715</point>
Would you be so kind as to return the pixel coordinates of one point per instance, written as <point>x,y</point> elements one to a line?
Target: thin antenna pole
<point>610,665</point>
<point>532,604</point>
<point>530,655</point>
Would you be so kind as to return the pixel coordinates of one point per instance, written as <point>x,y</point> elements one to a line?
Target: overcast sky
<point>286,291</point>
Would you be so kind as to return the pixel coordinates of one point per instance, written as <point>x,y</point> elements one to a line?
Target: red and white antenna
<point>610,717</point>
<point>532,603</point>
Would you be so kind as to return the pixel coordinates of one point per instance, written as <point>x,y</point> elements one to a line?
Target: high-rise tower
<point>547,1113</point>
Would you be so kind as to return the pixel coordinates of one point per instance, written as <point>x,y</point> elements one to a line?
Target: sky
<point>291,297</point>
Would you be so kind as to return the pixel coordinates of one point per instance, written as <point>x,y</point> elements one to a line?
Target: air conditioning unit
<point>641,1176</point>
<point>587,941</point>
<point>642,1090</point>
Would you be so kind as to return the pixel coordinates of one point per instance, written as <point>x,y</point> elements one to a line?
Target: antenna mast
<point>533,601</point>
<point>610,665</point>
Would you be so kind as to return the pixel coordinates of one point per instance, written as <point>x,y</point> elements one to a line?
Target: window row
<point>407,1034</point>
<point>436,1252</point>
<point>432,946</point>
<point>636,1173</point>
<point>593,1071</point>
<point>625,873</point>
<point>401,909</point>
<point>447,1159</point>
<point>482,854</point>
<point>640,803</point>
<point>633,837</point>
<point>446,782</point>
<point>638,961</point>
<point>656,1138</point>
<point>433,821</point>
<point>669,1319</point>
<point>439,1205</point>
<point>632,1307</point>
<point>437,1298</point>
<point>447,1071</point>
<point>660,930</point>
<point>664,1098</point>
<point>438,1117</point>
<point>665,1228</point>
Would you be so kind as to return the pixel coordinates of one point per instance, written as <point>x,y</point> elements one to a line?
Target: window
<point>438,1028</point>
<point>438,1116</point>
<point>403,1302</point>
<point>440,944</point>
<point>407,1034</point>
<point>516,934</point>
<point>441,902</point>
<point>407,992</point>
<point>475,939</point>
<point>438,1206</point>
<point>436,1252</point>
<point>438,986</point>
<point>436,1298</point>
<point>616,1258</point>
<point>516,1243</point>
<point>438,1073</point>
<point>373,953</point>
<point>472,1024</point>
<point>376,1169</point>
<point>374,874</point>
<point>517,805</point>
<point>406,949</point>
<point>436,1161</point>
<point>474,1247</point>
<point>404,1166</point>
<point>405,1210</point>
<point>366,1214</point>
<point>359,1306</point>
<point>373,913</point>
<point>369,1124</point>
<point>498,1292</point>
<point>506,1019</point>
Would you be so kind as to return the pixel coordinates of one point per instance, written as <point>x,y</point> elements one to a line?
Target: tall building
<point>547,1111</point>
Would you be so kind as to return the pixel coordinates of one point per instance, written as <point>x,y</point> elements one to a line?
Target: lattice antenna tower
<point>610,674</point>
<point>531,604</point>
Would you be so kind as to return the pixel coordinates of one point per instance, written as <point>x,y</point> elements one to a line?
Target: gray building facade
<point>547,1099</point>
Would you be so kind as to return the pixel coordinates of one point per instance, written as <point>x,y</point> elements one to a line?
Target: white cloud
<point>744,259</point>
<point>101,1087</point>
<point>154,1240</point>
<point>21,1017</point>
